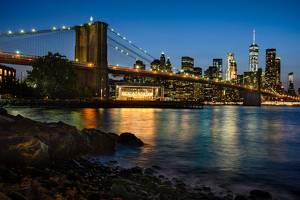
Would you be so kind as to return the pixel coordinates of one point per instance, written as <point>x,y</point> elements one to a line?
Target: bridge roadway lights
<point>252,98</point>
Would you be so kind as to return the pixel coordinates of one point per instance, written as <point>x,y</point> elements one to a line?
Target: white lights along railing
<point>33,31</point>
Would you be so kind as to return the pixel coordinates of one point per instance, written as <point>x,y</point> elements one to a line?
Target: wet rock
<point>101,142</point>
<point>118,189</point>
<point>240,197</point>
<point>15,195</point>
<point>206,189</point>
<point>129,139</point>
<point>167,183</point>
<point>3,196</point>
<point>137,170</point>
<point>261,195</point>
<point>6,122</point>
<point>149,171</point>
<point>125,173</point>
<point>165,190</point>
<point>144,180</point>
<point>121,182</point>
<point>23,151</point>
<point>152,186</point>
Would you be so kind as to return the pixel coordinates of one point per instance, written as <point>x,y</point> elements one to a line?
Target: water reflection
<point>241,143</point>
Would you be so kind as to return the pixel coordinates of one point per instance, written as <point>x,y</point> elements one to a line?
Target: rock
<point>118,190</point>
<point>152,186</point>
<point>125,173</point>
<point>137,170</point>
<point>120,181</point>
<point>165,190</point>
<point>240,197</point>
<point>129,139</point>
<point>101,142</point>
<point>15,195</point>
<point>144,180</point>
<point>3,196</point>
<point>25,127</point>
<point>149,171</point>
<point>261,195</point>
<point>206,189</point>
<point>132,196</point>
<point>93,196</point>
<point>23,151</point>
<point>6,122</point>
<point>167,183</point>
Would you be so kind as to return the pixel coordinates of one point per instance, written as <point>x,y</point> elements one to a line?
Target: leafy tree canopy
<point>54,76</point>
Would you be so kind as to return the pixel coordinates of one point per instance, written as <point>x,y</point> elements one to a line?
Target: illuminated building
<point>168,65</point>
<point>198,71</point>
<point>7,71</point>
<point>253,55</point>
<point>155,65</point>
<point>298,92</point>
<point>291,90</point>
<point>272,72</point>
<point>230,72</point>
<point>211,72</point>
<point>139,65</point>
<point>187,64</point>
<point>127,91</point>
<point>240,79</point>
<point>217,62</point>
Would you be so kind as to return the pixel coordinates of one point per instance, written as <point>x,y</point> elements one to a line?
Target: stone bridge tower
<point>91,47</point>
<point>252,97</point>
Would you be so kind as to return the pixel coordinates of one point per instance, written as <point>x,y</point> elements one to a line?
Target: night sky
<point>203,29</point>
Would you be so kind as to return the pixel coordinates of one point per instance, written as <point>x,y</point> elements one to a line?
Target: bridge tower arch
<point>91,47</point>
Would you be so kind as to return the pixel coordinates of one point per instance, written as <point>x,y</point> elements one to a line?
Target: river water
<point>233,147</point>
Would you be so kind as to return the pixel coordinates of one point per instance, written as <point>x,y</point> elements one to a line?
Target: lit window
<point>5,72</point>
<point>0,78</point>
<point>13,73</point>
<point>0,71</point>
<point>9,72</point>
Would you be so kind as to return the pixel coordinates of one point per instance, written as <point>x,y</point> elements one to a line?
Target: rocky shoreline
<point>43,161</point>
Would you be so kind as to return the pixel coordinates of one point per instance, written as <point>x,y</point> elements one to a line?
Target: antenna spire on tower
<point>254,36</point>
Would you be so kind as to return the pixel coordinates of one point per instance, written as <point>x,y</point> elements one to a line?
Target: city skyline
<point>202,30</point>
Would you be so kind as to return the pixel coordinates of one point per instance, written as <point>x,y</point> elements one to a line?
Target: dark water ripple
<point>240,147</point>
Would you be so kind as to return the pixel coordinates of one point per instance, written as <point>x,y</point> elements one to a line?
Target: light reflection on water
<point>232,143</point>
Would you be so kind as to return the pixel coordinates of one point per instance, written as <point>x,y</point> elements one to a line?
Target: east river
<point>234,147</point>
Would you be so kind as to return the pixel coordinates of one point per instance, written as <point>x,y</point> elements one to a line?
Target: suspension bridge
<point>99,51</point>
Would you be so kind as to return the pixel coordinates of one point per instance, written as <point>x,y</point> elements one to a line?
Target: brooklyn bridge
<point>100,51</point>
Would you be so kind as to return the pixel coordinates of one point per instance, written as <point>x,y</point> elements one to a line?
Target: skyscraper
<point>272,72</point>
<point>291,90</point>
<point>217,62</point>
<point>253,55</point>
<point>230,72</point>
<point>187,63</point>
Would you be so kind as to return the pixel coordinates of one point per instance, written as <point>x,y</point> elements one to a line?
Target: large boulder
<point>101,142</point>
<point>6,122</point>
<point>23,151</point>
<point>129,139</point>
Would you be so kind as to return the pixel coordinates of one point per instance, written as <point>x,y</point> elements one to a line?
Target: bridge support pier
<point>252,98</point>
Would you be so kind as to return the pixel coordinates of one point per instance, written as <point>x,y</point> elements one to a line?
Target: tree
<point>54,76</point>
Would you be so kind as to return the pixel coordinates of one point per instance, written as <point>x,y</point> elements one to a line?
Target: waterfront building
<point>291,90</point>
<point>240,79</point>
<point>230,72</point>
<point>218,62</point>
<point>7,71</point>
<point>129,91</point>
<point>253,55</point>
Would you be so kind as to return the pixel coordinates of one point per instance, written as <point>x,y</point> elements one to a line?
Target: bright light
<point>116,47</point>
<point>145,51</point>
<point>18,52</point>
<point>127,54</point>
<point>33,30</point>
<point>54,28</point>
<point>76,60</point>
<point>112,29</point>
<point>121,50</point>
<point>64,27</point>
<point>130,42</point>
<point>124,38</point>
<point>69,28</point>
<point>118,34</point>
<point>9,32</point>
<point>22,31</point>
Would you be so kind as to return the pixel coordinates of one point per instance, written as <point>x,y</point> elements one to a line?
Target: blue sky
<point>203,29</point>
